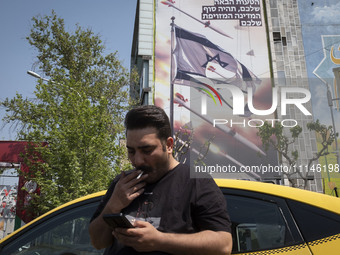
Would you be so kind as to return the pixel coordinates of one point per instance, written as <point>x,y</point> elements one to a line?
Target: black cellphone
<point>117,220</point>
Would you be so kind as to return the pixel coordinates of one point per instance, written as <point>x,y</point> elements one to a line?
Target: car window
<point>314,223</point>
<point>257,224</point>
<point>64,233</point>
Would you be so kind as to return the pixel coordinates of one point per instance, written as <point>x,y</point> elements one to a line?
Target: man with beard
<point>174,214</point>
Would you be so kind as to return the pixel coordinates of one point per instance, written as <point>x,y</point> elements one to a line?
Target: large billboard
<point>212,56</point>
<point>321,39</point>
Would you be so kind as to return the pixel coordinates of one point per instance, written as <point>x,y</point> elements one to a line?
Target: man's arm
<point>100,232</point>
<point>205,242</point>
<point>126,190</point>
<point>146,238</point>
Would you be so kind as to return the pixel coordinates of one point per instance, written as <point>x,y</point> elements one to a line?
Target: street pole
<point>171,78</point>
<point>35,75</point>
<point>330,104</point>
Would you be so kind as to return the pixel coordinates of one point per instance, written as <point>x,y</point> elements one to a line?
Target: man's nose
<point>138,159</point>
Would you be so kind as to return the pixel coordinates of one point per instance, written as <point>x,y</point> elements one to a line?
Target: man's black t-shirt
<point>177,204</point>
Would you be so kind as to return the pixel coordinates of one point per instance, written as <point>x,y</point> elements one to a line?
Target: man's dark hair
<point>149,116</point>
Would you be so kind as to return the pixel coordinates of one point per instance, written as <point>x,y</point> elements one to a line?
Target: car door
<point>65,231</point>
<point>262,224</point>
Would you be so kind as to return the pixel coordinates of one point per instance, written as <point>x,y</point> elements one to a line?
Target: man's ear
<point>169,144</point>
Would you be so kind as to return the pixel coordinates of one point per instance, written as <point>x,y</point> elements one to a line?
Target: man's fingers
<point>124,178</point>
<point>125,236</point>
<point>141,224</point>
<point>136,187</point>
<point>131,179</point>
<point>120,232</point>
<point>136,194</point>
<point>130,232</point>
<point>128,188</point>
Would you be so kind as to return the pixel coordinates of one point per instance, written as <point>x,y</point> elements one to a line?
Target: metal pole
<point>171,78</point>
<point>330,104</point>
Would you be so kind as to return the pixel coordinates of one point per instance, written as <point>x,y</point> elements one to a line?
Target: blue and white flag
<point>197,57</point>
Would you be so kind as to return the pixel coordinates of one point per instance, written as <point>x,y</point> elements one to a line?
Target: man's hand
<point>146,238</point>
<point>127,189</point>
<point>143,238</point>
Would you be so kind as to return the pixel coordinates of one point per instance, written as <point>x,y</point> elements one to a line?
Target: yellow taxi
<point>266,219</point>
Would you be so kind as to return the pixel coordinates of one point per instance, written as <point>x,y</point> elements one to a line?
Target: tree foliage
<point>274,137</point>
<point>78,112</point>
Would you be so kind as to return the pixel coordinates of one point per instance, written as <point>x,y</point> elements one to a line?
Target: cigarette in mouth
<point>140,175</point>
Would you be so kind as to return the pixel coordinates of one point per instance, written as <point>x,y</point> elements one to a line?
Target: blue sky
<point>112,20</point>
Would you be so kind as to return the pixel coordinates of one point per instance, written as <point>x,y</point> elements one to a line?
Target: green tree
<point>78,112</point>
<point>274,137</point>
